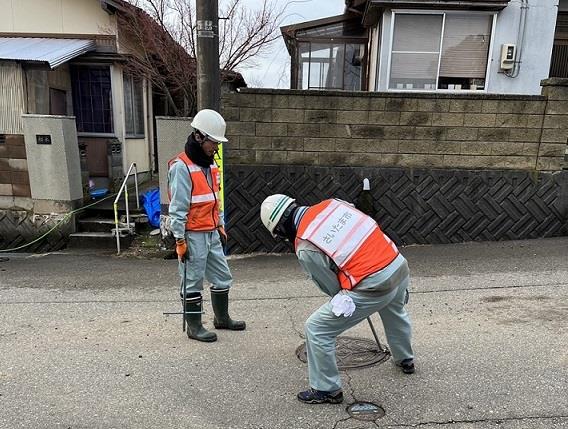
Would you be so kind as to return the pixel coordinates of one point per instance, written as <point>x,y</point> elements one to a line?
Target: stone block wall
<point>413,206</point>
<point>448,131</point>
<point>444,168</point>
<point>14,177</point>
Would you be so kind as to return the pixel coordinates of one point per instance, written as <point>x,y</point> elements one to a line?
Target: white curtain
<point>466,46</point>
<point>416,47</point>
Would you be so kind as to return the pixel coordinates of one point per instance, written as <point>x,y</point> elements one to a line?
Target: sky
<point>273,71</point>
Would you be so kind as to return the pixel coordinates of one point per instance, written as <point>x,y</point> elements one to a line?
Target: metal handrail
<point>115,204</point>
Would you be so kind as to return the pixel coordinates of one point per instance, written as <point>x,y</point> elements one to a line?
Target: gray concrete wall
<point>54,169</point>
<point>172,135</point>
<point>366,129</point>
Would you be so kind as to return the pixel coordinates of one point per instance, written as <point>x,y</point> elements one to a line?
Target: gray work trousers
<point>323,327</point>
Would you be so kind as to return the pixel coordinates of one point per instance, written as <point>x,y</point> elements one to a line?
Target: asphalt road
<point>84,343</point>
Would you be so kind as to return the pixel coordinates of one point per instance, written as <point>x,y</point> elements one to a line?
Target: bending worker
<point>350,259</point>
<point>197,225</point>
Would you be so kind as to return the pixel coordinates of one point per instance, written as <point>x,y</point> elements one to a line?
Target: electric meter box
<point>508,54</point>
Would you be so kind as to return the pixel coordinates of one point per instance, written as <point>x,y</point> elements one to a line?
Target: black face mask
<point>286,228</point>
<point>194,151</point>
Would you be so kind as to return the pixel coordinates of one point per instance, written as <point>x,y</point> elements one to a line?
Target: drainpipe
<point>520,39</point>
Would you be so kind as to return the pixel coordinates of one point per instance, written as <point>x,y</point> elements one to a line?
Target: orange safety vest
<point>204,207</point>
<point>350,238</point>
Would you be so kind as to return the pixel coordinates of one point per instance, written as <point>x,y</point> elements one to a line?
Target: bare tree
<point>247,34</point>
<point>162,37</point>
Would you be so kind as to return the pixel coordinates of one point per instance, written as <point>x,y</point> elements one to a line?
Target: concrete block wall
<point>54,169</point>
<point>554,135</point>
<point>172,134</point>
<point>14,177</point>
<point>367,129</point>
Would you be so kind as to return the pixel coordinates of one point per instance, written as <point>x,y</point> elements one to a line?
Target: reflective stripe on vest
<point>204,207</point>
<point>350,238</point>
<point>339,230</point>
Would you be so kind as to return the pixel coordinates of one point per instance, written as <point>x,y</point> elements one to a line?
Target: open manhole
<point>366,411</point>
<point>353,353</point>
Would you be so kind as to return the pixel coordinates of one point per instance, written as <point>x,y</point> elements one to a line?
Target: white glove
<point>342,304</point>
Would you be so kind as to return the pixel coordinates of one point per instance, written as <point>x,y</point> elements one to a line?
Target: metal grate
<point>559,61</point>
<point>365,411</point>
<point>352,353</point>
<point>562,25</point>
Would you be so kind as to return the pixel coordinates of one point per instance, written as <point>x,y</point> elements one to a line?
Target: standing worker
<point>198,227</point>
<point>350,259</point>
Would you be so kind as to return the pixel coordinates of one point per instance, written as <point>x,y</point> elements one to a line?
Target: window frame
<point>344,41</point>
<point>133,82</point>
<point>444,13</point>
<point>112,101</point>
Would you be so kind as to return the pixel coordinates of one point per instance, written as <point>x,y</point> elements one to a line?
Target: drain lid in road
<point>366,411</point>
<point>353,353</point>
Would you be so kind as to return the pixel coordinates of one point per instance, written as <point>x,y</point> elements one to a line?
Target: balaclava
<point>195,152</point>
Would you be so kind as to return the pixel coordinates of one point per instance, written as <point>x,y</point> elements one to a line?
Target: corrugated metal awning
<point>46,50</point>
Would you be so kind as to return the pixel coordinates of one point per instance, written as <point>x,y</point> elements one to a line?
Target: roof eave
<point>111,6</point>
<point>374,8</point>
<point>289,31</point>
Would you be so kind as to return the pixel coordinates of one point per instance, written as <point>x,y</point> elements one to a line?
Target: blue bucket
<point>98,193</point>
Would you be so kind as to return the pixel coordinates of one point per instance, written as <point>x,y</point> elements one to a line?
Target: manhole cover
<point>365,411</point>
<point>353,353</point>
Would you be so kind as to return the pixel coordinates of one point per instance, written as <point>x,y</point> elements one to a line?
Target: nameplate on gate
<point>43,139</point>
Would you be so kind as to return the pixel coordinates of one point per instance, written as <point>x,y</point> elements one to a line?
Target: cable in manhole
<point>366,411</point>
<point>353,353</point>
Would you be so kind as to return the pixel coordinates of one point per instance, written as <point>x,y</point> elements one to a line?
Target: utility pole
<point>208,77</point>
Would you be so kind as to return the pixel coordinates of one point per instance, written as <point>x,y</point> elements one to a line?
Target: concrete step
<point>100,225</point>
<point>107,205</point>
<point>95,225</point>
<point>98,240</point>
<point>108,212</point>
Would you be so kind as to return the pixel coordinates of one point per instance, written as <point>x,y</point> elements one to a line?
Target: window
<point>57,102</point>
<point>92,99</point>
<point>559,60</point>
<point>447,51</point>
<point>134,106</point>
<point>330,65</point>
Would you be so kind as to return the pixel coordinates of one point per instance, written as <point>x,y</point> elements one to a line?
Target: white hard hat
<point>272,209</point>
<point>211,123</point>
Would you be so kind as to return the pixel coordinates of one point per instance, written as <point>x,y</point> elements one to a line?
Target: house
<point>492,46</point>
<point>61,59</point>
<point>66,58</point>
<point>69,60</point>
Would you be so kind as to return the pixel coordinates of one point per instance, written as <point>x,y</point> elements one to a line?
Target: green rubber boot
<point>195,329</point>
<point>222,320</point>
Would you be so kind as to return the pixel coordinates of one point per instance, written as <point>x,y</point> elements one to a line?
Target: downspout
<point>520,39</point>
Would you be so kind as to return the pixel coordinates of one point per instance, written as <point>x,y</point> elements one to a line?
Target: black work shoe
<point>313,396</point>
<point>407,366</point>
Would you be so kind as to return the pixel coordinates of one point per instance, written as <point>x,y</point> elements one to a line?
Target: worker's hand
<point>222,235</point>
<point>181,249</point>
